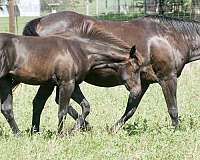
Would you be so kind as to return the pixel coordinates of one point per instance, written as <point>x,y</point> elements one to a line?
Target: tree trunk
<point>11,10</point>
<point>87,7</point>
<point>97,7</point>
<point>118,4</point>
<point>161,9</point>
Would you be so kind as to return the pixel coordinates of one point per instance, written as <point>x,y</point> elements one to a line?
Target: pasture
<point>148,135</point>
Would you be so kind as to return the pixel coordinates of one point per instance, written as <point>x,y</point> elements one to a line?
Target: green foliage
<point>46,5</point>
<point>119,17</point>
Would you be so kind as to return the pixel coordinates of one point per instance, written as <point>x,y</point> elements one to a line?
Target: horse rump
<point>30,27</point>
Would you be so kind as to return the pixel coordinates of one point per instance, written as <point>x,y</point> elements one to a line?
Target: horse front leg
<point>39,101</point>
<point>169,88</point>
<point>65,91</point>
<point>7,103</point>
<point>132,105</point>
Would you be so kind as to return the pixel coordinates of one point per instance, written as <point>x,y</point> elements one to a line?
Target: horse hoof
<point>112,130</point>
<point>18,134</point>
<point>61,134</point>
<point>86,126</point>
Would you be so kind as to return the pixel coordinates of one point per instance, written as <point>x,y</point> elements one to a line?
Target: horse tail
<point>4,63</point>
<point>31,27</point>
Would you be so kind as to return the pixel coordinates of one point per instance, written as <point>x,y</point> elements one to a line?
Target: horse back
<point>40,58</point>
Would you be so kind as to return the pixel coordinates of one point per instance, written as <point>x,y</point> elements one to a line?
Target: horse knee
<point>7,112</point>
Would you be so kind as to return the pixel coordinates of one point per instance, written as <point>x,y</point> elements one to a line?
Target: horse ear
<point>136,55</point>
<point>133,52</point>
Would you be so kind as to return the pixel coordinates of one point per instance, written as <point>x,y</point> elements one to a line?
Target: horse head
<point>130,72</point>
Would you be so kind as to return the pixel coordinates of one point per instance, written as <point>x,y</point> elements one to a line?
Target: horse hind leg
<point>78,97</point>
<point>72,112</point>
<point>6,104</point>
<point>65,91</point>
<point>169,88</point>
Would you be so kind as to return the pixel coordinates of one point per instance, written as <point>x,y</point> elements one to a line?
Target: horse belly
<point>32,77</point>
<point>103,78</point>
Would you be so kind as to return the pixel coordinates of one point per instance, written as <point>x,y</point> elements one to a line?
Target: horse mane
<point>89,30</point>
<point>190,28</point>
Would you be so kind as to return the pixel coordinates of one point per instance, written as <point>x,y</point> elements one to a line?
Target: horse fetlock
<point>61,114</point>
<point>175,121</point>
<point>34,129</point>
<point>115,128</point>
<point>80,121</point>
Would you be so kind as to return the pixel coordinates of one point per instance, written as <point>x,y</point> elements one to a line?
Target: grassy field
<point>147,136</point>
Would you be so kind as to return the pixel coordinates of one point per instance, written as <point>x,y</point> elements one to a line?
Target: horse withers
<point>166,44</point>
<point>55,61</point>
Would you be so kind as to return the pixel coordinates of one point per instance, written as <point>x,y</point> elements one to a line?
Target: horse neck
<point>194,50</point>
<point>100,54</point>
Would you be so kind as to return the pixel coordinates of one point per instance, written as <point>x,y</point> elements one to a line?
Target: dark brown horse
<point>62,62</point>
<point>166,45</point>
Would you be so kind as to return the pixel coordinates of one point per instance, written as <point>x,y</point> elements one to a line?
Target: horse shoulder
<point>162,57</point>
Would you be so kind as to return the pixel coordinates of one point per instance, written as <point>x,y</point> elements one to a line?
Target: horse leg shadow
<point>65,91</point>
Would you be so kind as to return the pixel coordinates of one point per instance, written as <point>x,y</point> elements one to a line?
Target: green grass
<point>148,135</point>
<point>21,21</point>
